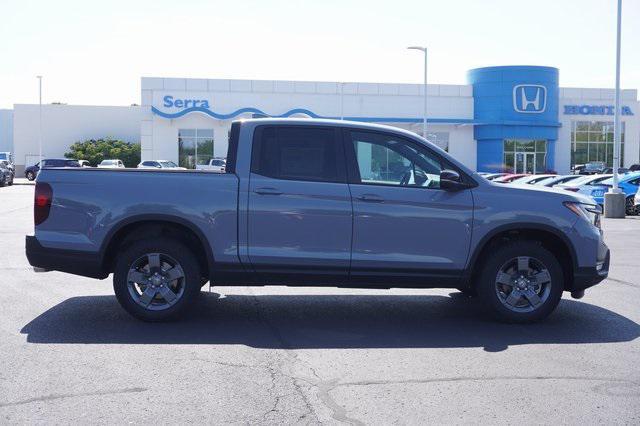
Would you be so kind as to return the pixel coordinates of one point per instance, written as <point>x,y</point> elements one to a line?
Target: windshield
<point>594,166</point>
<point>523,179</point>
<point>107,162</point>
<point>167,164</point>
<point>3,155</point>
<point>609,181</point>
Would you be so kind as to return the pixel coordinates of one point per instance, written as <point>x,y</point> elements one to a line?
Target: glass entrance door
<point>525,162</point>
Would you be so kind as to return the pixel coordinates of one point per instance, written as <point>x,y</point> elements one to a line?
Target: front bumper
<point>70,261</point>
<point>585,277</point>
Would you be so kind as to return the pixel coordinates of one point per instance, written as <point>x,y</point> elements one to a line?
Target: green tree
<point>96,150</point>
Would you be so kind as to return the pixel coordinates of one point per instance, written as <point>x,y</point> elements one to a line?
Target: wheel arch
<point>549,237</point>
<point>129,229</point>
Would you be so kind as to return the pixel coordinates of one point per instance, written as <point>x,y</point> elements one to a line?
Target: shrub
<point>96,150</point>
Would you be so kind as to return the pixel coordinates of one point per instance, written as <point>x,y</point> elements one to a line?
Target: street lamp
<point>39,77</point>
<point>424,115</point>
<point>614,199</point>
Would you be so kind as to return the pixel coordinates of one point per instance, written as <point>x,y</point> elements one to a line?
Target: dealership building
<point>508,117</point>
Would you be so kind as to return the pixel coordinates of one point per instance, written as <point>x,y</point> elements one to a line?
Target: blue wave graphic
<point>305,111</point>
<point>235,113</point>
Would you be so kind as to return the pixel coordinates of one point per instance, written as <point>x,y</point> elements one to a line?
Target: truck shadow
<point>327,321</point>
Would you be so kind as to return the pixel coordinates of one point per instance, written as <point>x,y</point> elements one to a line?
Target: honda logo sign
<point>529,98</point>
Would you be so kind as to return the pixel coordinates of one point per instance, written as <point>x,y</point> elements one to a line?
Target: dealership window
<point>525,155</point>
<point>593,141</point>
<point>195,146</point>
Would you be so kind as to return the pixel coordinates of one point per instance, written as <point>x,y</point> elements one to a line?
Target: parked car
<point>509,177</point>
<point>111,164</point>
<point>634,168</point>
<point>557,180</point>
<point>84,163</point>
<point>577,169</point>
<point>636,201</point>
<point>493,176</point>
<point>32,171</point>
<point>309,210</point>
<point>6,173</point>
<point>531,179</point>
<point>584,181</point>
<point>8,157</point>
<point>214,165</point>
<point>621,170</point>
<point>628,184</point>
<point>159,164</point>
<point>593,168</point>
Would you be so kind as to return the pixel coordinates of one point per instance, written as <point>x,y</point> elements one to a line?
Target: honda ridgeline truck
<point>318,203</point>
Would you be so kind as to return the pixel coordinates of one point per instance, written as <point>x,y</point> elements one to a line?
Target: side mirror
<point>450,181</point>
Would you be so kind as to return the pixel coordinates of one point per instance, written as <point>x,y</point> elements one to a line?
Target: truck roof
<point>328,122</point>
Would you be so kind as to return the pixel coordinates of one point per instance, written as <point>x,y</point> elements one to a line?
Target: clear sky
<point>94,52</point>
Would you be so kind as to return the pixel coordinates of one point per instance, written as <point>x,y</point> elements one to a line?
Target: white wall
<point>62,125</point>
<point>6,130</point>
<point>160,137</point>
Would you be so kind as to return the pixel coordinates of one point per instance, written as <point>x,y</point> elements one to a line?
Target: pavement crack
<point>615,280</point>
<point>52,397</point>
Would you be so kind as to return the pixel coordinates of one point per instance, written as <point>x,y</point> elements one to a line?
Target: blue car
<point>628,183</point>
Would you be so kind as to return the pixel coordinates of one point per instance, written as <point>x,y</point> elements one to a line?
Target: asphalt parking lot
<point>69,353</point>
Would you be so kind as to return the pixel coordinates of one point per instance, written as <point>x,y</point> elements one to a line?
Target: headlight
<point>590,212</point>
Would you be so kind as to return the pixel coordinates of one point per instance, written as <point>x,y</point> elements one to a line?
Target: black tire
<point>30,176</point>
<point>171,251</point>
<point>468,292</point>
<point>493,294</point>
<point>11,181</point>
<point>630,208</point>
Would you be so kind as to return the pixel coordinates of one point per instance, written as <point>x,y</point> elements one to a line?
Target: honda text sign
<point>529,98</point>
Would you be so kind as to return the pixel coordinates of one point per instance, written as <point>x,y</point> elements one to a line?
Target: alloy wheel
<point>523,284</point>
<point>156,281</point>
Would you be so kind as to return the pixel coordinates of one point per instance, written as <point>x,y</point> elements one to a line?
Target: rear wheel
<point>520,282</point>
<point>30,175</point>
<point>156,280</point>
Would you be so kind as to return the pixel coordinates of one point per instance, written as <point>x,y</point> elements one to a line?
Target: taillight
<point>42,202</point>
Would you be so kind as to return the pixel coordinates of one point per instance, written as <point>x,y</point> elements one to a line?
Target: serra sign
<point>169,102</point>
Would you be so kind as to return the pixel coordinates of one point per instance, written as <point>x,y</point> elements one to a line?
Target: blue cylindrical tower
<point>516,117</point>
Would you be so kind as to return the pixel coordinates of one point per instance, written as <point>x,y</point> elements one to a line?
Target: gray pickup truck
<point>318,203</point>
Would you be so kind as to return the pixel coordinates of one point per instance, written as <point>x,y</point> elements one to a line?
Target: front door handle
<point>267,191</point>
<point>371,198</point>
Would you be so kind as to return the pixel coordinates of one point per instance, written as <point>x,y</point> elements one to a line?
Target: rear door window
<point>299,153</point>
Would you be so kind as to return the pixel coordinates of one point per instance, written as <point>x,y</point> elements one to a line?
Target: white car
<point>531,179</point>
<point>159,164</point>
<point>84,163</point>
<point>214,165</point>
<point>111,164</point>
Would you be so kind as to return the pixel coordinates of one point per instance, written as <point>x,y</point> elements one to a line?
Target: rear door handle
<point>371,198</point>
<point>267,191</point>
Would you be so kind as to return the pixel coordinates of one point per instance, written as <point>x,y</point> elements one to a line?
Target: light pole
<point>424,112</point>
<point>614,200</point>
<point>39,77</point>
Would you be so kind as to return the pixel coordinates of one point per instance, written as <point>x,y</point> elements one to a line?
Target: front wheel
<point>157,279</point>
<point>30,175</point>
<point>520,282</point>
